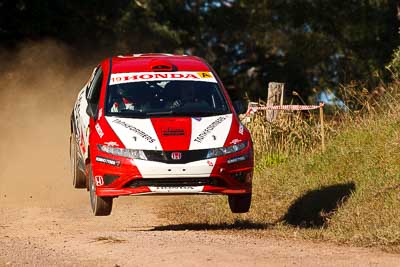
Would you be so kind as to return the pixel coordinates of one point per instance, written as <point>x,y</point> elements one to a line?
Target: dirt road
<point>64,233</point>
<point>45,222</point>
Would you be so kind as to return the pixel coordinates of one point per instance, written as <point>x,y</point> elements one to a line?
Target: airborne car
<point>158,124</point>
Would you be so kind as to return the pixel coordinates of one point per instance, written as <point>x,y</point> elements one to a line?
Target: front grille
<point>186,156</point>
<point>173,182</point>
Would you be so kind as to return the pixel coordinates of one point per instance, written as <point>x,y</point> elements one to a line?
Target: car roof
<point>157,62</point>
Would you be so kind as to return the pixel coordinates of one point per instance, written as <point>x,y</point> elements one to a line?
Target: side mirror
<point>91,110</point>
<point>240,106</point>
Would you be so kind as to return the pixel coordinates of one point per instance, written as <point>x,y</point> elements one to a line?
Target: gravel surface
<point>65,233</point>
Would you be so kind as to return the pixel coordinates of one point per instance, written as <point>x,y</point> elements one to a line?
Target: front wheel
<point>239,203</point>
<point>101,206</point>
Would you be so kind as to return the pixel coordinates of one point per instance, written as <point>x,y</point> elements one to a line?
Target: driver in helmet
<point>121,101</point>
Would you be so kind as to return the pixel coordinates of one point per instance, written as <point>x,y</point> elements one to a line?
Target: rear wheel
<point>239,203</point>
<point>78,177</point>
<point>101,206</point>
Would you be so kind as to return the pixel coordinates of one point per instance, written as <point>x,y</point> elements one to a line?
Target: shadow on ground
<point>237,225</point>
<point>314,208</point>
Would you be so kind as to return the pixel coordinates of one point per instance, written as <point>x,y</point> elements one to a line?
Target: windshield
<point>165,98</point>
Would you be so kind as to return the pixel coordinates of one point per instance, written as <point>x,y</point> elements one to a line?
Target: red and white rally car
<point>158,124</point>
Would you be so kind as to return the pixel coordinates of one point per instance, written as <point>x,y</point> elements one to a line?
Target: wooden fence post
<point>321,117</point>
<point>275,97</point>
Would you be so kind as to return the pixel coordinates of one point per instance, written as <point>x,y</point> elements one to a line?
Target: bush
<point>394,65</point>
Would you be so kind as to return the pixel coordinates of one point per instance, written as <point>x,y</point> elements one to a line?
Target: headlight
<point>127,153</point>
<point>222,151</point>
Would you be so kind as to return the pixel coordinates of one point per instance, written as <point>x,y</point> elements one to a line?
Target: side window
<point>91,79</point>
<point>93,91</point>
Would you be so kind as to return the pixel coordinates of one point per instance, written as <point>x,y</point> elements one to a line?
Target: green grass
<point>348,194</point>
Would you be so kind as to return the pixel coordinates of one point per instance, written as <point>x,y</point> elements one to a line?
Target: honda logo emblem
<point>176,155</point>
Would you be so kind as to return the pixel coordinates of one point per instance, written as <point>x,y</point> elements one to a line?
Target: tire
<point>101,206</point>
<point>239,203</point>
<point>78,177</point>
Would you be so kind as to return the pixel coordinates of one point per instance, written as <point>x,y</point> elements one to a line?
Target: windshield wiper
<point>169,112</point>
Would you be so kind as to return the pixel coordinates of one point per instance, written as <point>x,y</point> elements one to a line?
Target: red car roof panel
<point>150,62</point>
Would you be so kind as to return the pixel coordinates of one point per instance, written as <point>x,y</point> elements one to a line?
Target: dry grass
<point>292,133</point>
<point>348,194</point>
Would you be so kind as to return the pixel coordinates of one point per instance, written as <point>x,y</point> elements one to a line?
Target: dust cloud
<point>38,86</point>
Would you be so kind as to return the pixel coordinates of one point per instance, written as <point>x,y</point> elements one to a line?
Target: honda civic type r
<point>158,124</point>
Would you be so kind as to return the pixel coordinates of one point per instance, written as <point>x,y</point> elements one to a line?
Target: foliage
<point>309,45</point>
<point>394,65</point>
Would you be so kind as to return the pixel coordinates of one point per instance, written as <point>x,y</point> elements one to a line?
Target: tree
<point>310,45</point>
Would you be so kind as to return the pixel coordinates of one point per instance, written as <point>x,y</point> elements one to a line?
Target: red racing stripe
<point>173,133</point>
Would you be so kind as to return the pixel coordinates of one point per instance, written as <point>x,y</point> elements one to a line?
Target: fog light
<point>109,178</point>
<point>240,176</point>
<point>243,177</point>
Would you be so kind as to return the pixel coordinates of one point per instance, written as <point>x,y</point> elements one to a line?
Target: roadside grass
<point>349,194</point>
<point>291,134</point>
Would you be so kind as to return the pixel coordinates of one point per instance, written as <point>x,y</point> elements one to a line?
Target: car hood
<point>172,133</point>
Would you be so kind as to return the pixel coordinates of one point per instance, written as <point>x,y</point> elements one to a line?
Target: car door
<point>80,111</point>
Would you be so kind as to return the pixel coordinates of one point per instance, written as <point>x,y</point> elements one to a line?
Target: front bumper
<point>222,175</point>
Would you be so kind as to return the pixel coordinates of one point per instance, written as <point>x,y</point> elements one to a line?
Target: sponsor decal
<point>176,189</point>
<point>111,143</point>
<point>210,163</point>
<point>205,75</point>
<point>99,130</point>
<point>209,129</point>
<point>100,113</point>
<point>99,180</point>
<point>108,161</point>
<point>81,143</point>
<point>235,141</point>
<point>176,155</point>
<point>241,129</point>
<point>77,113</point>
<point>173,132</point>
<point>135,130</point>
<point>118,78</point>
<point>237,159</point>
